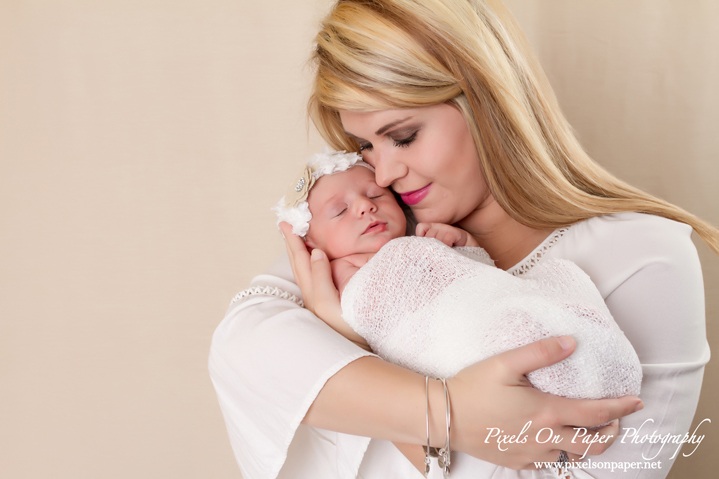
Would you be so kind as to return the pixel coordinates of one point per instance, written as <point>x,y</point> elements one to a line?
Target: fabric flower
<point>300,188</point>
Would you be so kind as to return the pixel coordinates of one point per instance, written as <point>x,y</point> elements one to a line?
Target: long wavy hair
<point>391,54</point>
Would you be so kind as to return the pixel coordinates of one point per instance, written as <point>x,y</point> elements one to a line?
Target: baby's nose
<point>366,206</point>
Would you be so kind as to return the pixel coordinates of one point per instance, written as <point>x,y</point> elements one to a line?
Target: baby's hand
<point>449,235</point>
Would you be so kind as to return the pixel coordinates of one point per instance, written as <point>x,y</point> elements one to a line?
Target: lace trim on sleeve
<point>268,291</point>
<point>536,256</point>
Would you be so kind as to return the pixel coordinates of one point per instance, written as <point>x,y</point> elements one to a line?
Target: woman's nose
<point>387,169</point>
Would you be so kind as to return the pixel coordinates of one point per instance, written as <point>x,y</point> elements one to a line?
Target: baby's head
<point>337,207</point>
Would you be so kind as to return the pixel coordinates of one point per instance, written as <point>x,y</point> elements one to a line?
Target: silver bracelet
<point>427,448</point>
<point>444,453</point>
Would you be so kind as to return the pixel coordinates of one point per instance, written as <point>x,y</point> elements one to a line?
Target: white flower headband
<point>293,207</point>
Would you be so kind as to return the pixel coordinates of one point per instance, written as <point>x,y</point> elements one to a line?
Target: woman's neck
<point>506,240</point>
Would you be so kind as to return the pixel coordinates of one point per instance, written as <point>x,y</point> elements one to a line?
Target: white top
<point>270,358</point>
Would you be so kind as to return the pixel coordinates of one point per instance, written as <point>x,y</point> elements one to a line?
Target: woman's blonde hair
<point>391,54</point>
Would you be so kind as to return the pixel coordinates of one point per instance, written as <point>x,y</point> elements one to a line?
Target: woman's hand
<point>495,393</point>
<point>314,277</point>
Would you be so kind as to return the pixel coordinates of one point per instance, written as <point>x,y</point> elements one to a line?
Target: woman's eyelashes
<point>401,142</point>
<point>405,142</point>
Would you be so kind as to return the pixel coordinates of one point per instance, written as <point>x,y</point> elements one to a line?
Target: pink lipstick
<point>413,197</point>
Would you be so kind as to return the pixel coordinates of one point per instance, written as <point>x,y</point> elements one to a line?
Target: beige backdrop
<point>142,143</point>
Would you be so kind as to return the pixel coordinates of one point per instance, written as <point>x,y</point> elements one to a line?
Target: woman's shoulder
<point>630,235</point>
<point>632,227</point>
<point>615,246</point>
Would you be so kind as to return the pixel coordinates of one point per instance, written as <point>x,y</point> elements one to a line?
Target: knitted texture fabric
<point>436,310</point>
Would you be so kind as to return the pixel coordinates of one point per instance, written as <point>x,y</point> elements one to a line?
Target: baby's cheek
<point>399,229</point>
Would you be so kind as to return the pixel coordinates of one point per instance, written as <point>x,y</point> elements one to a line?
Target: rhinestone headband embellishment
<point>300,184</point>
<point>301,188</point>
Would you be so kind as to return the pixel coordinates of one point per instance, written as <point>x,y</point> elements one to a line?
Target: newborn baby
<point>434,309</point>
<point>353,217</point>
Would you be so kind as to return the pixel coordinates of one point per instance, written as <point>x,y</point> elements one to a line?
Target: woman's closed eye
<point>405,142</point>
<point>401,142</point>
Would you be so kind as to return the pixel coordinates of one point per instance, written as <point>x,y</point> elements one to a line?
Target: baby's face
<point>351,214</point>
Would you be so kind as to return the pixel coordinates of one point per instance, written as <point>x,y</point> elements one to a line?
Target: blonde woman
<point>445,100</point>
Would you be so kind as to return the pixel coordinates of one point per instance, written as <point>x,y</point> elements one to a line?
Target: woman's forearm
<point>373,398</point>
<point>370,397</point>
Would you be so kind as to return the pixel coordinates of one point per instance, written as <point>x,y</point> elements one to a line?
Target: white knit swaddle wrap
<point>436,310</point>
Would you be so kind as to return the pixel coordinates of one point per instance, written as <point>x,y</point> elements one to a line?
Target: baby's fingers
<point>438,231</point>
<point>421,229</point>
<point>449,236</point>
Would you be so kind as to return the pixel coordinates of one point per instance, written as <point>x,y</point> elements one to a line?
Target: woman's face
<point>427,155</point>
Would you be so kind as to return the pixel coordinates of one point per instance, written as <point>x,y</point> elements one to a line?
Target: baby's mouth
<point>376,227</point>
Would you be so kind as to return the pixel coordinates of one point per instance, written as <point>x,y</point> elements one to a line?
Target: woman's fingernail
<point>317,254</point>
<point>639,407</point>
<point>566,342</point>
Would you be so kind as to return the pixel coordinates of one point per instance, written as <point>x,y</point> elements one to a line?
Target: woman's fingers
<point>496,391</point>
<point>537,355</point>
<point>573,457</point>
<point>569,420</point>
<point>577,412</point>
<point>592,412</point>
<point>313,276</point>
<point>580,442</point>
<point>326,297</point>
<point>299,260</point>
<point>588,442</point>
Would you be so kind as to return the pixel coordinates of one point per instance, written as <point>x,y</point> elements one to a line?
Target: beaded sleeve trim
<point>533,259</point>
<point>268,291</point>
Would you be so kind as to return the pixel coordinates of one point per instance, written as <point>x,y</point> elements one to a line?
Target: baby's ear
<point>309,244</point>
